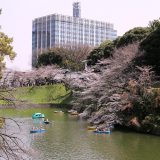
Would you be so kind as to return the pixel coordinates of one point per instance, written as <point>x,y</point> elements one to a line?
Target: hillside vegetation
<point>125,93</point>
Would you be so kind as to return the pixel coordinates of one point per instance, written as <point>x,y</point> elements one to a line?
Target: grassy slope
<point>42,94</point>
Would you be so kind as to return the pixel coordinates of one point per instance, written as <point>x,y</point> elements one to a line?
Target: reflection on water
<point>68,139</point>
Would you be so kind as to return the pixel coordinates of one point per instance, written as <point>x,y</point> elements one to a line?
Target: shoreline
<point>26,106</point>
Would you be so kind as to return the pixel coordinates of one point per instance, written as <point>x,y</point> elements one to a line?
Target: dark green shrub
<point>155,24</point>
<point>133,35</point>
<point>103,51</point>
<point>151,47</point>
<point>49,58</point>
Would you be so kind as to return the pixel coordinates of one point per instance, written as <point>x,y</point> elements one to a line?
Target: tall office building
<point>59,30</point>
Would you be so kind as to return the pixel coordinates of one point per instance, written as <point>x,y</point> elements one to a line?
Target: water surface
<point>68,139</point>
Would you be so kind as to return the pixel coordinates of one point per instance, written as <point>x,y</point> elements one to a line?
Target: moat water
<point>67,138</point>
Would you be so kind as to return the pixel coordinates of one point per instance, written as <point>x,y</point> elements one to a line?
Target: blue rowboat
<point>102,132</point>
<point>38,131</point>
<point>38,115</point>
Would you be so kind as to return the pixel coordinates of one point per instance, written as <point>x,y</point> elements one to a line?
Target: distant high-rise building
<point>59,30</point>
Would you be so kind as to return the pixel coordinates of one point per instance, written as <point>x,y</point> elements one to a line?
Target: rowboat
<point>74,113</point>
<point>103,132</point>
<point>91,127</point>
<point>58,111</point>
<point>38,131</point>
<point>38,115</point>
<point>46,122</point>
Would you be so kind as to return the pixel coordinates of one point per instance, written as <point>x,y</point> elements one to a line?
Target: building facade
<point>59,30</point>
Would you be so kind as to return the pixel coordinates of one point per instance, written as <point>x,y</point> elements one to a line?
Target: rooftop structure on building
<point>57,30</point>
<point>76,10</point>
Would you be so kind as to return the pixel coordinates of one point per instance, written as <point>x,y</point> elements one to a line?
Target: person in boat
<point>98,129</point>
<point>46,120</point>
<point>34,128</point>
<point>106,129</point>
<point>41,128</point>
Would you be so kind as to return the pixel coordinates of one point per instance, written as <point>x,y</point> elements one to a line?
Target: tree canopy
<point>151,47</point>
<point>70,57</point>
<point>133,35</point>
<point>5,49</point>
<point>10,144</point>
<point>155,24</point>
<point>103,51</point>
<point>106,48</point>
<point>49,58</point>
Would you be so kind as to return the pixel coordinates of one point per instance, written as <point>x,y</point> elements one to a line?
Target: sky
<point>17,16</point>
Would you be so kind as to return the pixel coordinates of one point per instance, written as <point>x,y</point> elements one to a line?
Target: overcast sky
<point>17,16</point>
